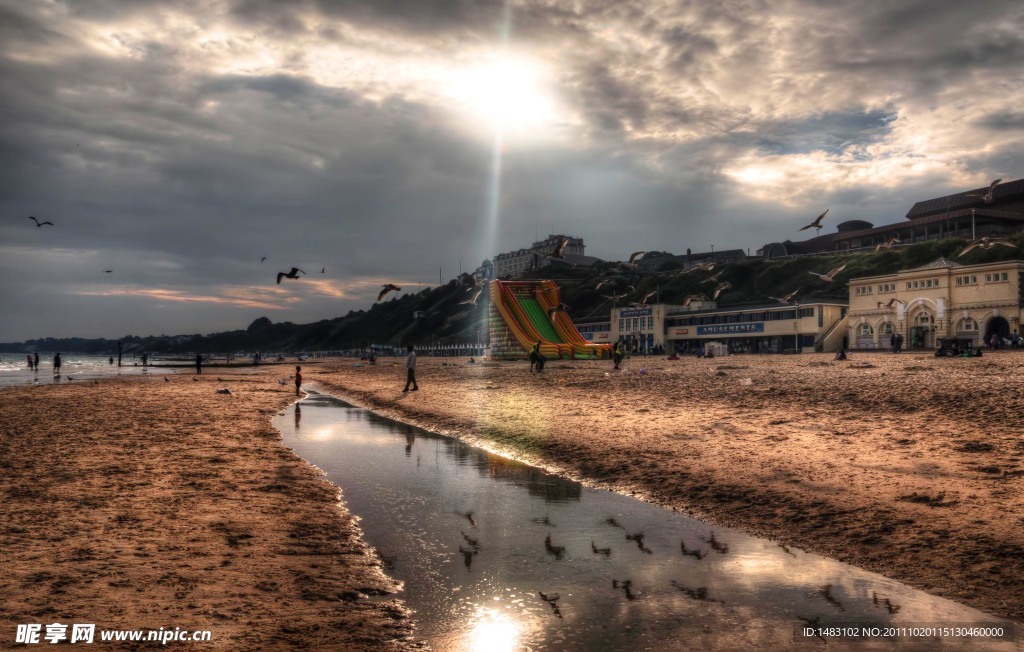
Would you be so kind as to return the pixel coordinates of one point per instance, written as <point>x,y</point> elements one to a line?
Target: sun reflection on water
<point>492,631</point>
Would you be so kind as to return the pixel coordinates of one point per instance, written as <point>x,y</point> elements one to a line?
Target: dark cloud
<point>179,142</point>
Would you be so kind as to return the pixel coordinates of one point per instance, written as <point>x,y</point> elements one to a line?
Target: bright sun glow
<point>503,92</point>
<point>493,632</point>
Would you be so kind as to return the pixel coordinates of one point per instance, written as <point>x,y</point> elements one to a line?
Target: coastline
<point>135,503</point>
<point>896,464</point>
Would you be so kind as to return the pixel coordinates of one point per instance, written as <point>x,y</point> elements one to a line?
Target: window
<point>622,324</point>
<point>1003,277</point>
<point>974,279</point>
<point>865,329</point>
<point>887,329</point>
<point>908,285</point>
<point>988,278</point>
<point>967,324</point>
<point>959,280</point>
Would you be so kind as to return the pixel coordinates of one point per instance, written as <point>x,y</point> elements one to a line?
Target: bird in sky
<point>987,197</point>
<point>816,224</point>
<point>788,297</point>
<point>720,288</point>
<point>557,253</point>
<point>263,258</point>
<point>713,278</point>
<point>690,298</point>
<point>614,298</point>
<point>323,271</point>
<point>38,223</point>
<point>887,245</point>
<point>472,299</point>
<point>292,274</point>
<point>831,275</point>
<point>699,267</point>
<point>390,287</point>
<point>893,301</point>
<point>108,271</point>
<point>559,308</point>
<point>986,243</point>
<point>648,296</point>
<point>633,257</point>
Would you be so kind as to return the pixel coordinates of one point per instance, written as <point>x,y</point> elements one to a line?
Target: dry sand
<point>138,503</point>
<point>907,465</point>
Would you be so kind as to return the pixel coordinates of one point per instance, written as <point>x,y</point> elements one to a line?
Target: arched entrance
<point>922,330</point>
<point>997,326</point>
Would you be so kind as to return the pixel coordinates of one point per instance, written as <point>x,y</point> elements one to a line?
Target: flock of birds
<point>475,286</point>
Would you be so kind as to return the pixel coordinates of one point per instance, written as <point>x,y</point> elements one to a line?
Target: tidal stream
<point>499,555</point>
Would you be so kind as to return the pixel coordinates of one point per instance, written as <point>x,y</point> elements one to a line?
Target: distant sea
<point>14,368</point>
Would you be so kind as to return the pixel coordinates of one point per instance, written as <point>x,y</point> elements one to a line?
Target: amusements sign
<point>729,329</point>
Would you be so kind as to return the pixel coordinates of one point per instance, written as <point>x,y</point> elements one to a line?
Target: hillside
<point>444,321</point>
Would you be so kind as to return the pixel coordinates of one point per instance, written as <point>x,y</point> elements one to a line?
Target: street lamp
<point>973,236</point>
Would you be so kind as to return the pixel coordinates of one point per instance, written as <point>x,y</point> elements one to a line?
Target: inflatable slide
<point>519,317</point>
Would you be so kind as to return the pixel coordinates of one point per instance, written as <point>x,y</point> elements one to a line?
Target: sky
<point>387,141</point>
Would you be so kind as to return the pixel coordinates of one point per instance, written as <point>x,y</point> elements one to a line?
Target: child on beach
<point>298,379</point>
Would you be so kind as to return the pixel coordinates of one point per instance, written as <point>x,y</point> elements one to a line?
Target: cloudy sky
<point>178,142</point>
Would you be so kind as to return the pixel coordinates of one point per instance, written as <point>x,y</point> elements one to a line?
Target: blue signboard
<point>730,329</point>
<point>636,312</point>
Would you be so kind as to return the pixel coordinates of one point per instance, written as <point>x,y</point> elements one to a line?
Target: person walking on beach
<point>410,365</point>
<point>28,359</point>
<point>56,364</point>
<point>617,354</point>
<point>145,360</point>
<point>298,379</point>
<point>119,354</point>
<point>199,363</point>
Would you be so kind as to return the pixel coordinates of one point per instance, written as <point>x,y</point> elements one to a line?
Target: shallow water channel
<point>499,555</point>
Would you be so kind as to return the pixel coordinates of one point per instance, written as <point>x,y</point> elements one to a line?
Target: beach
<point>907,465</point>
<point>134,503</point>
<point>139,503</point>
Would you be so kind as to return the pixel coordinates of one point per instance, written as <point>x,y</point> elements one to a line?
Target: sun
<point>502,91</point>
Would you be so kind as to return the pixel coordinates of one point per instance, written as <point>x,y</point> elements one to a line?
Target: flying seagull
<point>38,223</point>
<point>559,308</point>
<point>108,271</point>
<point>633,258</point>
<point>695,297</point>
<point>720,288</point>
<point>816,224</point>
<point>557,253</point>
<point>647,296</point>
<point>893,301</point>
<point>831,274</point>
<point>788,297</point>
<point>986,243</point>
<point>699,267</point>
<point>987,197</point>
<point>618,297</point>
<point>472,299</point>
<point>887,245</point>
<point>262,259</point>
<point>713,278</point>
<point>323,271</point>
<point>390,287</point>
<point>292,274</point>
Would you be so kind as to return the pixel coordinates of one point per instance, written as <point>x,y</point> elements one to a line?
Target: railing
<point>819,344</point>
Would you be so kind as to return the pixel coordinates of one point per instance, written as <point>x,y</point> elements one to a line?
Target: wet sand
<point>136,503</point>
<point>907,465</point>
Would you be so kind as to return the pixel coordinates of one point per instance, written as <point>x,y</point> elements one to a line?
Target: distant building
<point>955,215</point>
<point>940,299</point>
<point>759,328</point>
<point>514,263</point>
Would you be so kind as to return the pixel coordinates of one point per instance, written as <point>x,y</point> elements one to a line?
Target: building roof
<point>756,306</point>
<point>931,219</point>
<point>960,200</point>
<point>940,263</point>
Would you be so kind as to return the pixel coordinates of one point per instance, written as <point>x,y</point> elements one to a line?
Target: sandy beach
<point>136,503</point>
<point>907,465</point>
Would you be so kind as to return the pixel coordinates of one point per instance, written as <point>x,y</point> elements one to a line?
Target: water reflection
<point>499,555</point>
